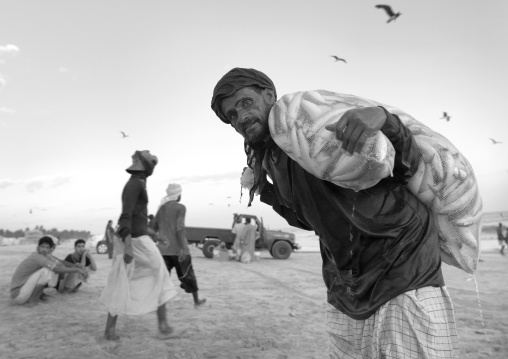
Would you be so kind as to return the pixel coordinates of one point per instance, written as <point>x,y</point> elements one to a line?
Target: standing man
<point>169,224</point>
<point>379,246</point>
<point>247,242</point>
<point>37,272</point>
<point>81,258</point>
<point>145,285</point>
<point>237,230</point>
<point>501,238</point>
<point>109,233</point>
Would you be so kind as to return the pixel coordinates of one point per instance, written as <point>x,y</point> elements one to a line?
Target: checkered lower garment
<point>417,324</point>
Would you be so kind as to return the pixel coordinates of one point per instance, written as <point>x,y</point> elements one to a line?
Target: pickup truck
<point>280,244</point>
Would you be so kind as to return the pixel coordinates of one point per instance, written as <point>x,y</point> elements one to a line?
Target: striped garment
<point>417,324</point>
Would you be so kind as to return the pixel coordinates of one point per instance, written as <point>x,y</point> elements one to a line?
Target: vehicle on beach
<point>280,244</point>
<point>98,242</point>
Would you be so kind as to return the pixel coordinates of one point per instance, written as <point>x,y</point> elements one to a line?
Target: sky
<point>73,74</point>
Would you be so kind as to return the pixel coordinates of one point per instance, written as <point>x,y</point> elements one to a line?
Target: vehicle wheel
<point>102,248</point>
<point>208,247</point>
<point>281,250</point>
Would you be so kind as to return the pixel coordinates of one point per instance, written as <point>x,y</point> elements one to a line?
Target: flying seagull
<point>123,134</point>
<point>338,58</point>
<point>391,15</point>
<point>494,142</point>
<point>446,116</point>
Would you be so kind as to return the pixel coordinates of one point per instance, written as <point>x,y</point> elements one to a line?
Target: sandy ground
<point>265,309</point>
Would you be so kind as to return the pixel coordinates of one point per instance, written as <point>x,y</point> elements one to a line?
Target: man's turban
<point>143,161</point>
<point>173,191</point>
<point>234,80</point>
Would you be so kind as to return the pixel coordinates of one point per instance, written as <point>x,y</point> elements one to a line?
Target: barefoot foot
<point>199,302</point>
<point>111,337</point>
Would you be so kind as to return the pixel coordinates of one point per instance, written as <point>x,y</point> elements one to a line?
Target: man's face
<point>44,249</point>
<point>79,248</point>
<point>248,111</point>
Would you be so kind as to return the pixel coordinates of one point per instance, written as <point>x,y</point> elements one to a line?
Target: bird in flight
<point>338,58</point>
<point>391,15</point>
<point>494,142</point>
<point>446,116</point>
<point>123,134</point>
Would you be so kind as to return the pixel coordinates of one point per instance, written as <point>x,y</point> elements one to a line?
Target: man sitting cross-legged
<point>81,258</point>
<point>37,272</point>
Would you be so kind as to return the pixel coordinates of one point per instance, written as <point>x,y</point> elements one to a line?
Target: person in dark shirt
<point>142,286</point>
<point>379,246</point>
<point>109,238</point>
<point>169,224</point>
<point>81,258</point>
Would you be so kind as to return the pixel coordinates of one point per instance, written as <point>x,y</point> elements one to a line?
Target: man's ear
<point>269,96</point>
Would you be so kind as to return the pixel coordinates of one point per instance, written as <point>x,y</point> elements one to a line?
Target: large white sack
<point>444,182</point>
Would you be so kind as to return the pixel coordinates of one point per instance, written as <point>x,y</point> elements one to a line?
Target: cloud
<point>34,185</point>
<point>6,183</point>
<point>9,49</point>
<point>7,110</point>
<point>3,81</point>
<point>49,182</point>
<point>63,70</point>
<point>59,181</point>
<point>216,178</point>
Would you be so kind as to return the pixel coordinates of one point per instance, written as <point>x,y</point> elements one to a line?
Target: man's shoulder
<point>174,205</point>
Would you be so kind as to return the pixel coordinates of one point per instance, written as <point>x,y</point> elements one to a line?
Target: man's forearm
<point>93,266</point>
<point>60,269</point>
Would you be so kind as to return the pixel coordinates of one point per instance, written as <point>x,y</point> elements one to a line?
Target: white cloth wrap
<point>141,286</point>
<point>444,182</point>
<point>42,277</point>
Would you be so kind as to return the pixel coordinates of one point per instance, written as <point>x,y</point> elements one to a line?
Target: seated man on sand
<point>37,272</point>
<point>81,258</point>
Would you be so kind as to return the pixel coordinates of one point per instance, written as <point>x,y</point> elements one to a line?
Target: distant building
<point>33,235</point>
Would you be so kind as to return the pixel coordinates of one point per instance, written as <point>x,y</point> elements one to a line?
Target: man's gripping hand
<point>128,255</point>
<point>356,125</point>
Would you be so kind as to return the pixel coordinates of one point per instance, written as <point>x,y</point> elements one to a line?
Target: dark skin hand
<point>356,125</point>
<point>128,256</point>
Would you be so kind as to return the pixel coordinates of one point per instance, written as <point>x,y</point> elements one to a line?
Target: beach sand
<point>265,309</point>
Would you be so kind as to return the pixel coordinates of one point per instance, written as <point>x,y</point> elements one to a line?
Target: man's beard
<point>257,133</point>
<point>262,131</point>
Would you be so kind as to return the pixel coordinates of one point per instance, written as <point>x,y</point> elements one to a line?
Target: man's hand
<point>356,125</point>
<point>182,256</point>
<point>128,255</point>
<point>84,272</point>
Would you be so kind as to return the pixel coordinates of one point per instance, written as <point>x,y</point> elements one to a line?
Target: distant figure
<point>36,273</point>
<point>501,238</point>
<point>109,237</point>
<point>81,258</point>
<point>237,230</point>
<point>446,116</point>
<point>247,242</point>
<point>143,286</point>
<point>169,224</point>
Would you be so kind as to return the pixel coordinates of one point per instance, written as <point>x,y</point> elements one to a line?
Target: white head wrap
<point>173,191</point>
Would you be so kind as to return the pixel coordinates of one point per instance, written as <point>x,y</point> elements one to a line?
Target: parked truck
<point>280,244</point>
